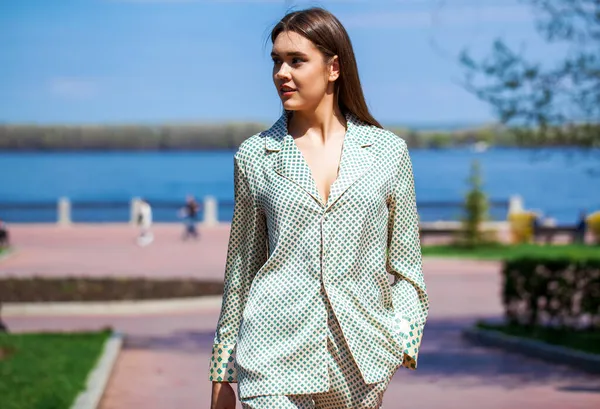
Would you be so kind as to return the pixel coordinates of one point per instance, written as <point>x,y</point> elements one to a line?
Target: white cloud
<point>73,88</point>
<point>443,17</point>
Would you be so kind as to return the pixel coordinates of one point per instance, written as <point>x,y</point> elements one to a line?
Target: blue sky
<point>169,61</point>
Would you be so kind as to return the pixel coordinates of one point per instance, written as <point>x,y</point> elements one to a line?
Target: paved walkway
<point>111,250</point>
<point>165,358</point>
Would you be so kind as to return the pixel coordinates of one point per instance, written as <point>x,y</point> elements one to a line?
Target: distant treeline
<point>125,137</point>
<point>199,137</point>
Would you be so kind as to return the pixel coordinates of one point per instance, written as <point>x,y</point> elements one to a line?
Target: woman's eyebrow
<point>290,54</point>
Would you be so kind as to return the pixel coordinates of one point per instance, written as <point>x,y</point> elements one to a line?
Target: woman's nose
<point>283,72</point>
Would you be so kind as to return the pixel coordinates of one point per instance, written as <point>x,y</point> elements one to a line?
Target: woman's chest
<point>355,191</point>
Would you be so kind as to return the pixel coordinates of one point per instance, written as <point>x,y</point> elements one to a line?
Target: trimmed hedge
<point>103,289</point>
<point>555,292</point>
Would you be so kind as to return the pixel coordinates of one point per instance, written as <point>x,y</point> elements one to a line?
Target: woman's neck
<point>321,123</point>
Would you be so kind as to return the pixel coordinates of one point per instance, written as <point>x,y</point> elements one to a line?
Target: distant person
<point>145,223</point>
<point>190,215</point>
<point>580,228</point>
<point>4,236</point>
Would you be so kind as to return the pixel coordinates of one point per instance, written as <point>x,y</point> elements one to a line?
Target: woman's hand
<point>223,396</point>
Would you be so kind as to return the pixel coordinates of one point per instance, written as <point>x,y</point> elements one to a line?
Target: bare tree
<point>546,106</point>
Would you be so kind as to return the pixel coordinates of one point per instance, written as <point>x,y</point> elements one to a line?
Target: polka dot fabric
<point>346,386</point>
<point>291,254</point>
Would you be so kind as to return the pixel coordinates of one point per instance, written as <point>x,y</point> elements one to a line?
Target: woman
<point>324,210</point>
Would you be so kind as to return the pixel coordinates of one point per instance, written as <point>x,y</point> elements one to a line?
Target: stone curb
<point>111,307</point>
<point>536,349</point>
<point>98,378</point>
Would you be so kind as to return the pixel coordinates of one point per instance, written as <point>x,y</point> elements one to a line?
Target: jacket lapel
<point>291,164</point>
<point>288,160</point>
<point>356,158</point>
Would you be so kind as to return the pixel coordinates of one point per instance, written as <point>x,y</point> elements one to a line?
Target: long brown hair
<point>330,37</point>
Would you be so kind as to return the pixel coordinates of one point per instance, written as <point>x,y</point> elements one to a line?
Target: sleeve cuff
<point>412,344</point>
<point>222,364</point>
<point>410,335</point>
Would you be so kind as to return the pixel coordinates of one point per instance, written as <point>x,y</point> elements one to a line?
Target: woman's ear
<point>334,68</point>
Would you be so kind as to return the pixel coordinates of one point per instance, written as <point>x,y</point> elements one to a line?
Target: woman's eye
<point>294,61</point>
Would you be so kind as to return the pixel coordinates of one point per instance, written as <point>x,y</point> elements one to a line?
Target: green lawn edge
<point>47,370</point>
<point>505,252</point>
<point>584,341</point>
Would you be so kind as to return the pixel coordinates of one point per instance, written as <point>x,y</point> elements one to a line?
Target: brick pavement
<point>165,357</point>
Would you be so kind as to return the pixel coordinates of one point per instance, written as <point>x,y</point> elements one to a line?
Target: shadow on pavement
<point>446,358</point>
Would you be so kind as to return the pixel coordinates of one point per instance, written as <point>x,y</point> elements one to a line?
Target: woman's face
<point>300,73</point>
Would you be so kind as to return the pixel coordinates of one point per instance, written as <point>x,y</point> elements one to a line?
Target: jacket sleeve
<point>404,261</point>
<point>246,253</point>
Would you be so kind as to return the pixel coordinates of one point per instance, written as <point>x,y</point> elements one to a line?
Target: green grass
<point>502,252</point>
<point>587,341</point>
<point>46,370</point>
<point>4,251</point>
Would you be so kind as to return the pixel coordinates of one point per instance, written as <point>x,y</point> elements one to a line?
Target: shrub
<point>476,212</point>
<point>40,289</point>
<point>557,292</point>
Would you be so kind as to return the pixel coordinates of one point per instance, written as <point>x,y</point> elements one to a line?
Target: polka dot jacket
<point>288,250</point>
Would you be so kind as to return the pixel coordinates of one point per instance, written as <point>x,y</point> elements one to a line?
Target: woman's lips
<point>286,90</point>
